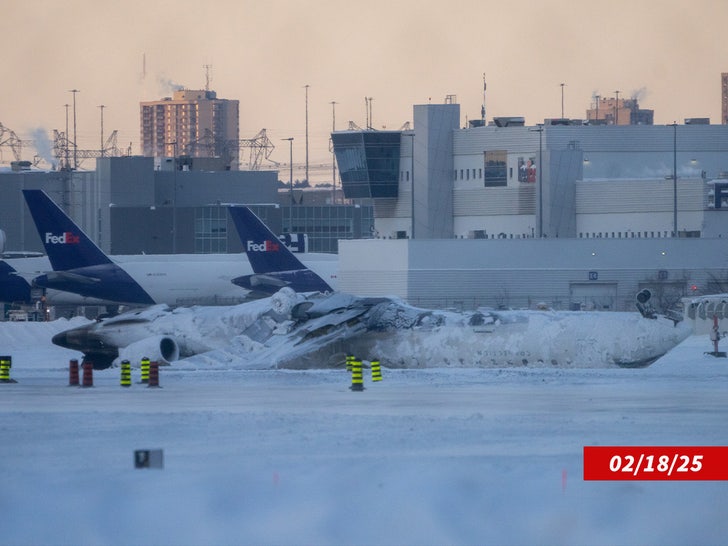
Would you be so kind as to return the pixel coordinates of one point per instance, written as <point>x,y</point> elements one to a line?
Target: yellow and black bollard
<point>376,370</point>
<point>145,370</point>
<point>125,373</point>
<point>357,378</point>
<point>349,360</point>
<point>6,362</point>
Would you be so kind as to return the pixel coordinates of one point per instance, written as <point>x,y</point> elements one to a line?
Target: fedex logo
<point>265,246</point>
<point>66,238</point>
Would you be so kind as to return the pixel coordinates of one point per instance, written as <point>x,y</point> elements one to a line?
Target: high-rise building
<point>724,98</point>
<point>191,122</point>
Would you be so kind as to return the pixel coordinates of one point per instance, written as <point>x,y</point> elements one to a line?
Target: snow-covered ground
<point>436,456</point>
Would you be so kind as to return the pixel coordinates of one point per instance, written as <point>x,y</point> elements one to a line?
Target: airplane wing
<point>68,276</point>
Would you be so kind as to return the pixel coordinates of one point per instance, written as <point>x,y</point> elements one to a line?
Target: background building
<point>616,111</point>
<point>127,206</point>
<point>191,122</point>
<point>724,98</point>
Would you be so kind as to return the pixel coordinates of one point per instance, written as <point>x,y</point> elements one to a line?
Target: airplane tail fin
<point>266,252</point>
<point>274,265</point>
<point>67,246</point>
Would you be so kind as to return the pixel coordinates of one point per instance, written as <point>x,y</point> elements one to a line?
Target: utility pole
<point>616,109</point>
<point>562,100</point>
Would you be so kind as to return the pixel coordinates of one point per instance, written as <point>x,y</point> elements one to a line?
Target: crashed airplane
<point>302,331</point>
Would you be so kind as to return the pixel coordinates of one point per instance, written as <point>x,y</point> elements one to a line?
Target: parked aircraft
<point>17,271</point>
<point>274,266</point>
<point>13,287</point>
<point>81,267</point>
<point>295,330</point>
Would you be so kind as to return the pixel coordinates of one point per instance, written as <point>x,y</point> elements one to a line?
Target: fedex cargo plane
<point>81,267</point>
<point>274,266</point>
<point>17,271</point>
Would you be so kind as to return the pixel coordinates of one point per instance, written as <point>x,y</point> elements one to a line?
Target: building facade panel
<point>564,274</point>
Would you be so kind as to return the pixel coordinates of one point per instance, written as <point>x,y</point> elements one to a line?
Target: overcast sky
<point>399,52</point>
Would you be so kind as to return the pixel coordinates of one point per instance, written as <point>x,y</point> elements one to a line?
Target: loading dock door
<point>593,296</point>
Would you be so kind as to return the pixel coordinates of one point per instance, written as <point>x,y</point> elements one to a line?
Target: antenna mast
<point>482,108</point>
<point>208,75</point>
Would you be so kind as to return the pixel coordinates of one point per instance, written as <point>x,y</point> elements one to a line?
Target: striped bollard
<point>349,360</point>
<point>153,374</point>
<point>145,370</point>
<point>357,378</point>
<point>73,373</point>
<point>87,380</point>
<point>125,373</point>
<point>376,370</point>
<point>6,362</point>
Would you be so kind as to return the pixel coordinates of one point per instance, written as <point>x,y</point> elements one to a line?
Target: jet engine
<point>162,349</point>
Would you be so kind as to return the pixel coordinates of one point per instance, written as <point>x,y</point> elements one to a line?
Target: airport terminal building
<point>572,216</point>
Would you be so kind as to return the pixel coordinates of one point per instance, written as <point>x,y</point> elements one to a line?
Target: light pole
<point>174,197</point>
<point>290,185</point>
<point>616,109</point>
<point>101,106</point>
<point>674,178</point>
<point>306,86</point>
<point>540,178</point>
<point>75,146</point>
<point>68,161</point>
<point>333,155</point>
<point>562,100</point>
<point>412,186</point>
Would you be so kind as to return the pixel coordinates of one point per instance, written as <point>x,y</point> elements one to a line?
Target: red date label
<point>655,463</point>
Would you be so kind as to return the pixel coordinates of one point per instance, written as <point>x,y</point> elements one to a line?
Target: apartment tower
<point>191,122</point>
